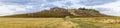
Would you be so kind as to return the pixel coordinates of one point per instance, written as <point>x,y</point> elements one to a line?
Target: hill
<point>62,12</point>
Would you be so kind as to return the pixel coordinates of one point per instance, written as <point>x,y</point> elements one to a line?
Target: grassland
<point>83,22</point>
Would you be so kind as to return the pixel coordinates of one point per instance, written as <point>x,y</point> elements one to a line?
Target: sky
<point>9,7</point>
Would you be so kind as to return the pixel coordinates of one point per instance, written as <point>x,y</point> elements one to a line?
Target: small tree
<point>82,9</point>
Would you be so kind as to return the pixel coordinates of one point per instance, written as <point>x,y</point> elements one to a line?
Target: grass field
<point>91,22</point>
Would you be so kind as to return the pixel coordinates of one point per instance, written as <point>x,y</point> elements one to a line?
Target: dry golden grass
<point>28,22</point>
<point>91,22</point>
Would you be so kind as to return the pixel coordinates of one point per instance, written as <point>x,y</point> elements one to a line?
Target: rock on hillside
<point>62,12</point>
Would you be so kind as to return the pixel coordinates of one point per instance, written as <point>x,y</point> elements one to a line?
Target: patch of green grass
<point>83,24</point>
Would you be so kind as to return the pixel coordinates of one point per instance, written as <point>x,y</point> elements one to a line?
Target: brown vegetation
<point>62,12</point>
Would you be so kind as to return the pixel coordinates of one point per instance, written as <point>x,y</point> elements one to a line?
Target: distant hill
<point>62,12</point>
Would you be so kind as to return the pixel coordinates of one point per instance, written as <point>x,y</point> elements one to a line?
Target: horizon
<point>8,7</point>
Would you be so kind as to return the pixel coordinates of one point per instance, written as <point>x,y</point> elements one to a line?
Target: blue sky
<point>9,7</point>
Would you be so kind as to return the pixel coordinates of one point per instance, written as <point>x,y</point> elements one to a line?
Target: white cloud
<point>12,9</point>
<point>114,8</point>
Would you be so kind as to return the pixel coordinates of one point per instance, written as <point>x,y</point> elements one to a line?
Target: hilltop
<point>62,12</point>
